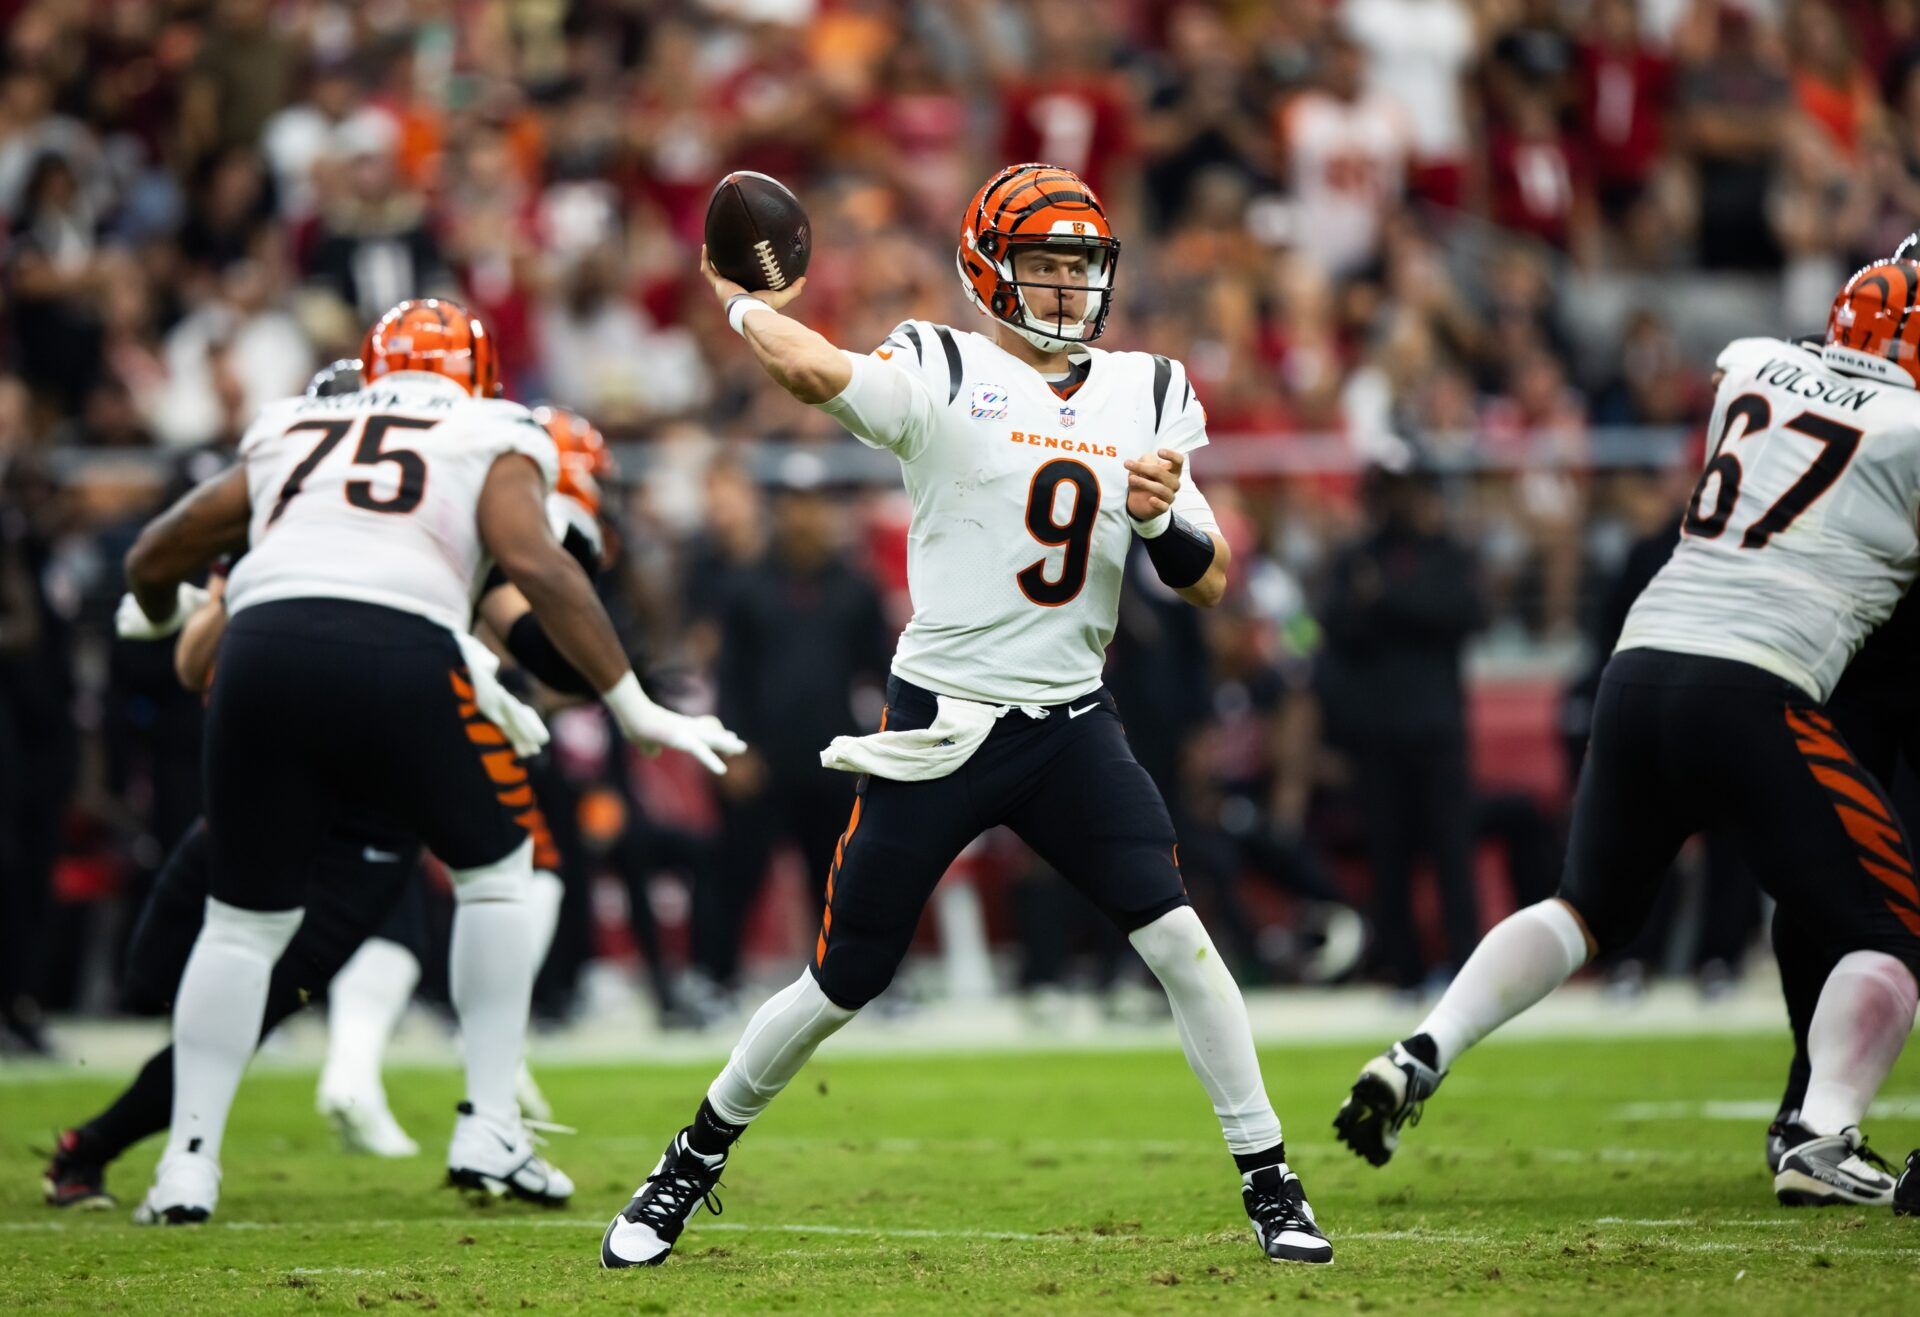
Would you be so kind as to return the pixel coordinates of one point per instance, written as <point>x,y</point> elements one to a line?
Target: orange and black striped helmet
<point>585,459</point>
<point>436,335</point>
<point>1872,329</point>
<point>1035,205</point>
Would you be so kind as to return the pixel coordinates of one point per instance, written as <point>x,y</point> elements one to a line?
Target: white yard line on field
<point>1480,1238</point>
<point>1887,1106</point>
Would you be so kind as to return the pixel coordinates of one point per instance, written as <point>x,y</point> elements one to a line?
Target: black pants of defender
<point>1067,785</point>
<point>1881,728</point>
<point>807,808</point>
<point>1683,744</point>
<point>328,714</point>
<point>1417,798</point>
<point>364,883</point>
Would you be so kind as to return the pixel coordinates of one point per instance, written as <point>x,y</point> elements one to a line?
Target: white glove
<point>130,621</point>
<point>652,727</point>
<point>526,733</point>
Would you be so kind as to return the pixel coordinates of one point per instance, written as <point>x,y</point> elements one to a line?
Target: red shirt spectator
<point>1625,90</point>
<point>1533,175</point>
<point>1080,124</point>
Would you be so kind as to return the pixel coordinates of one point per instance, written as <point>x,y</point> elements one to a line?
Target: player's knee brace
<point>261,934</point>
<point>507,879</point>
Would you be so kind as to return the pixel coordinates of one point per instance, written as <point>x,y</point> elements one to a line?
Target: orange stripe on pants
<point>839,853</point>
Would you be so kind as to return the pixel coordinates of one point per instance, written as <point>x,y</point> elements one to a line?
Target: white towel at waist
<point>958,728</point>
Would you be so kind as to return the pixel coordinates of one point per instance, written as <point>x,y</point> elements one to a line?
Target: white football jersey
<point>1800,537</point>
<point>372,495</point>
<point>1020,531</point>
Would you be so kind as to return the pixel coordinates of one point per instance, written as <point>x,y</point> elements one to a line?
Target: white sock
<point>1212,1020</point>
<point>1862,1020</point>
<point>490,977</point>
<point>543,913</point>
<point>364,1004</point>
<point>779,1038</point>
<point>217,1015</point>
<point>1526,956</point>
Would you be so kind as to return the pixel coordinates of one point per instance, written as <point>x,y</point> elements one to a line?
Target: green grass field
<point>1084,1182</point>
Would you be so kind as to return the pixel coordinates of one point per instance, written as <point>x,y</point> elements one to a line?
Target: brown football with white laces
<point>757,232</point>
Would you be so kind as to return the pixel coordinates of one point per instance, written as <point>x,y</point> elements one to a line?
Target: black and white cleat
<point>500,1159</point>
<point>1831,1170</point>
<point>1391,1090</point>
<point>186,1189</point>
<point>74,1178</point>
<point>1777,1139</point>
<point>1282,1218</point>
<point>1906,1190</point>
<point>643,1234</point>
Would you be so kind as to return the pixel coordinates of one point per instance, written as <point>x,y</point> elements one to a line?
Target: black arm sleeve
<point>1181,553</point>
<point>532,650</point>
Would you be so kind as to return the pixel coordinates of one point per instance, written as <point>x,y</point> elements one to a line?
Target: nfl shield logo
<point>1067,417</point>
<point>988,403</point>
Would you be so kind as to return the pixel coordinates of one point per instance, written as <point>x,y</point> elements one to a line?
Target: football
<point>757,232</point>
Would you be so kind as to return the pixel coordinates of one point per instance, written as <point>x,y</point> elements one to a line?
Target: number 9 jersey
<point>373,495</point>
<point>1019,535</point>
<point>1799,539</point>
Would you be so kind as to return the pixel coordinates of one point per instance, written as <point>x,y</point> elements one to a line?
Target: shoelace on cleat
<point>1872,1158</point>
<point>1283,1209</point>
<point>672,1198</point>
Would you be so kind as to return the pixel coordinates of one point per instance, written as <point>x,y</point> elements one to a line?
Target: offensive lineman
<point>1798,542</point>
<point>1014,449</point>
<point>342,693</point>
<point>356,901</point>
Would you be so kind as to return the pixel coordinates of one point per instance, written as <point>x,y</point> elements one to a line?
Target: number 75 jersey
<point>1020,532</point>
<point>374,495</point>
<point>1799,539</point>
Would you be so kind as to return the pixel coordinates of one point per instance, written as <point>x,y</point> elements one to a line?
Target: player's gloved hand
<point>654,728</point>
<point>130,621</point>
<point>525,730</point>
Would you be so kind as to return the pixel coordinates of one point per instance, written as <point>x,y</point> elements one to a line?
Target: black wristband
<point>533,650</point>
<point>1181,553</point>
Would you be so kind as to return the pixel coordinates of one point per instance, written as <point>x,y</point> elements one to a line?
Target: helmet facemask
<point>1031,307</point>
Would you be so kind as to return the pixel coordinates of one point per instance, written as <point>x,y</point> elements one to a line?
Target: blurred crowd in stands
<point>1448,274</point>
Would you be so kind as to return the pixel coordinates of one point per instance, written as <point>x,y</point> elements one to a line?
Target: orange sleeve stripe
<point>1875,836</point>
<point>503,768</point>
<point>481,732</point>
<point>1899,882</point>
<point>1814,743</point>
<point>518,797</point>
<point>1907,917</point>
<point>1845,784</point>
<point>461,686</point>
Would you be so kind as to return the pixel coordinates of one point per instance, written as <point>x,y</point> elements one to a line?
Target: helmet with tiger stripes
<point>1872,329</point>
<point>1035,205</point>
<point>585,459</point>
<point>436,335</point>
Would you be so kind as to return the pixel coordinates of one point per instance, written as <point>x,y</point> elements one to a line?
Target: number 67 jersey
<point>373,495</point>
<point>1799,539</point>
<point>1020,531</point>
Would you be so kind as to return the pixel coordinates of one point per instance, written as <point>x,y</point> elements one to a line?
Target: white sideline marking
<point>1694,1222</point>
<point>1887,1106</point>
<point>1470,1237</point>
